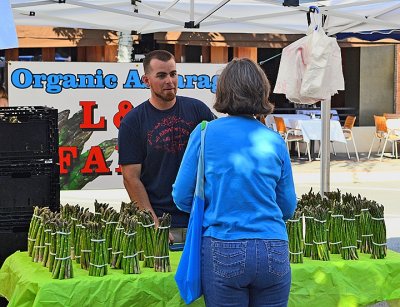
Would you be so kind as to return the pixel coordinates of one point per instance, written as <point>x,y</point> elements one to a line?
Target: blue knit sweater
<point>249,189</point>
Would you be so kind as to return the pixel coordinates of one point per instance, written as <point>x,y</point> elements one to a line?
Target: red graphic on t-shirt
<point>170,135</point>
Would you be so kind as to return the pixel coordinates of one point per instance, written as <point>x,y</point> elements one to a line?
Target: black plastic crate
<point>16,219</point>
<point>15,222</point>
<point>25,185</point>
<point>11,242</point>
<point>28,133</point>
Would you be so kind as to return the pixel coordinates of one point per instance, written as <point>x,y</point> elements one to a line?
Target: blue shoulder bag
<point>188,273</point>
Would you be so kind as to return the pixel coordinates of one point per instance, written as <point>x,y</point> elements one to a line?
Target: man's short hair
<point>162,55</point>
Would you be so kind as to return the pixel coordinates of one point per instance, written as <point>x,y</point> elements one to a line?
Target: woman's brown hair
<point>243,88</point>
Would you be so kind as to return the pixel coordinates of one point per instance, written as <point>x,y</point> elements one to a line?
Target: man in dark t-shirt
<point>153,136</point>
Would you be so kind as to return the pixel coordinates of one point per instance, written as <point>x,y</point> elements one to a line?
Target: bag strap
<point>200,164</point>
<point>203,125</point>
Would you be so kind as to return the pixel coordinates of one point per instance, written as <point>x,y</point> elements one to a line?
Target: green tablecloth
<point>314,283</point>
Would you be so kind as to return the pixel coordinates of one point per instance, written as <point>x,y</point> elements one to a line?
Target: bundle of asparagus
<point>111,223</point>
<point>365,228</point>
<point>161,250</point>
<point>130,260</point>
<point>85,246</point>
<point>81,216</point>
<point>349,234</point>
<point>68,213</point>
<point>53,243</point>
<point>356,204</point>
<point>39,246</point>
<point>320,249</point>
<point>140,239</point>
<point>98,250</point>
<point>335,229</point>
<point>99,209</point>
<point>130,210</point>
<point>82,240</point>
<point>351,224</point>
<point>335,196</point>
<point>34,227</point>
<point>147,237</point>
<point>47,238</point>
<point>118,236</point>
<point>76,229</point>
<point>294,228</point>
<point>308,237</point>
<point>62,268</point>
<point>378,227</point>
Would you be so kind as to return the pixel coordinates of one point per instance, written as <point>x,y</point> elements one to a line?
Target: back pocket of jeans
<point>228,258</point>
<point>278,257</point>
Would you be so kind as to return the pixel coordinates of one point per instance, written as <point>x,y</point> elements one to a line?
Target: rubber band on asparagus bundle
<point>99,265</point>
<point>149,225</point>
<point>347,247</point>
<point>130,256</point>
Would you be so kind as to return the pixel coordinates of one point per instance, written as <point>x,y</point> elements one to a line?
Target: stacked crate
<point>29,171</point>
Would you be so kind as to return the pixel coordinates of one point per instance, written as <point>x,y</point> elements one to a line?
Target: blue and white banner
<point>92,98</point>
<point>8,34</point>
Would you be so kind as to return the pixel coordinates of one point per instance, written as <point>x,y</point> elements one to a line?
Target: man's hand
<point>171,238</point>
<point>157,223</point>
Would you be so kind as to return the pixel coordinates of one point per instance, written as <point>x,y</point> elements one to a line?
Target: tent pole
<point>325,148</point>
<point>192,10</point>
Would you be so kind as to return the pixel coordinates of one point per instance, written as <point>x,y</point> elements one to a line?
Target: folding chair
<point>291,135</point>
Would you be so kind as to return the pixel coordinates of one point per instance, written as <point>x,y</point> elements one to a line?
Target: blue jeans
<point>245,272</point>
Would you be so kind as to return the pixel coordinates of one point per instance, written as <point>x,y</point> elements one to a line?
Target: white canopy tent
<point>226,16</point>
<point>234,16</point>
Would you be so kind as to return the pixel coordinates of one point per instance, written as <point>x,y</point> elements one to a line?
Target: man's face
<point>162,80</point>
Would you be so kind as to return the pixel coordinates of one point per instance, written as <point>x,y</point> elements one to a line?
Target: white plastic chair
<point>291,135</point>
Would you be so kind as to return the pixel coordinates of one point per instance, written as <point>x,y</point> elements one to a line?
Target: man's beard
<point>167,97</point>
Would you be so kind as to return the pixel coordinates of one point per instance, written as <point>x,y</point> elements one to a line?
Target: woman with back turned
<point>249,193</point>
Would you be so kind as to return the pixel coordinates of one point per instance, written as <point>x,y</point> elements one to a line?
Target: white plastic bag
<point>323,76</point>
<point>311,68</point>
<point>293,63</point>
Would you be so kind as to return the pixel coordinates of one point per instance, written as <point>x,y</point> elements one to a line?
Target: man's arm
<point>137,192</point>
<point>135,188</point>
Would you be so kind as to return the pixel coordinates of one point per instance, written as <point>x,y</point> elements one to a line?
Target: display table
<point>393,124</point>
<point>25,283</point>
<point>314,283</point>
<point>312,130</point>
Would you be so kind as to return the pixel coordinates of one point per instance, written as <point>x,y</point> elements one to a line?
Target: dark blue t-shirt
<point>157,140</point>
